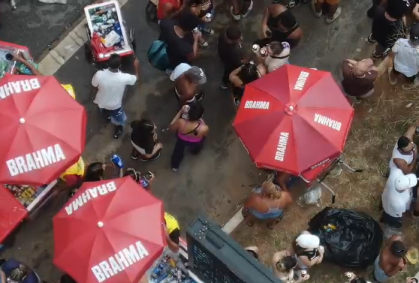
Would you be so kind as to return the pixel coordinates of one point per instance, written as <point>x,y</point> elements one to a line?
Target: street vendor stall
<point>7,64</point>
<point>294,120</point>
<point>43,133</point>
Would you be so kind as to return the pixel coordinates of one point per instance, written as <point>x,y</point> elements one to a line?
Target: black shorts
<point>410,79</point>
<point>175,236</point>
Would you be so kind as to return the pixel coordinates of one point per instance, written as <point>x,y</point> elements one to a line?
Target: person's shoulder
<point>166,23</point>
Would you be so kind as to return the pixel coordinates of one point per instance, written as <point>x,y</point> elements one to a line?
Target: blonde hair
<point>270,190</point>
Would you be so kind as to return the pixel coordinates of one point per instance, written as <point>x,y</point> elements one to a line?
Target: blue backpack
<point>157,55</point>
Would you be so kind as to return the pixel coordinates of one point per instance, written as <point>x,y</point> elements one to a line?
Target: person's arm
<point>265,18</point>
<point>402,165</point>
<point>28,65</point>
<point>234,78</point>
<point>2,276</point>
<point>282,180</point>
<point>411,131</point>
<point>415,12</point>
<point>167,10</point>
<point>137,70</point>
<point>350,61</point>
<point>173,125</point>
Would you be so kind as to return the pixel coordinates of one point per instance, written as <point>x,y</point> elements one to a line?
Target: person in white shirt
<point>396,198</point>
<point>276,55</point>
<point>111,85</point>
<point>406,59</point>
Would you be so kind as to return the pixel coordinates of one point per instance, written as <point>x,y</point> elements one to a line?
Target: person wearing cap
<point>388,26</point>
<point>276,55</point>
<point>187,78</point>
<point>391,260</point>
<point>307,250</point>
<point>359,78</point>
<point>230,52</point>
<point>396,199</point>
<point>404,153</point>
<point>283,266</point>
<point>405,54</point>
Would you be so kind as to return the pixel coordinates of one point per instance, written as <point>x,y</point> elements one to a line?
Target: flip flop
<point>335,16</point>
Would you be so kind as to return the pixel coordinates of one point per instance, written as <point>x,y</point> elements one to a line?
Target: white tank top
<point>396,154</point>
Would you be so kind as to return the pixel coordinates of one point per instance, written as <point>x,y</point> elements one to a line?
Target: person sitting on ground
<point>388,26</point>
<point>391,260</point>
<point>230,52</point>
<point>267,202</point>
<point>96,171</point>
<point>404,153</point>
<point>243,75</point>
<point>396,199</point>
<point>16,271</point>
<point>283,266</point>
<point>253,251</point>
<point>279,24</point>
<point>240,9</point>
<point>190,132</point>
<point>359,78</point>
<point>405,54</point>
<point>172,232</point>
<point>334,10</point>
<point>182,44</point>
<point>308,250</point>
<point>144,140</point>
<point>276,55</point>
<point>187,78</point>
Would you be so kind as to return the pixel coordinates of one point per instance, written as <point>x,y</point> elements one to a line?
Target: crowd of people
<point>184,25</point>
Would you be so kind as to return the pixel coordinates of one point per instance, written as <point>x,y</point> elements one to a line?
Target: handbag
<point>157,55</point>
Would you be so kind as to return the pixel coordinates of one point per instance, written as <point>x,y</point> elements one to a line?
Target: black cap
<point>233,33</point>
<point>403,142</point>
<point>398,249</point>
<point>414,34</point>
<point>398,8</point>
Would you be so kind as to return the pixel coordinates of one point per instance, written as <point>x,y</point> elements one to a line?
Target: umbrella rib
<point>53,135</point>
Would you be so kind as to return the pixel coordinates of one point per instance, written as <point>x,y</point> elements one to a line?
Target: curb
<point>66,48</point>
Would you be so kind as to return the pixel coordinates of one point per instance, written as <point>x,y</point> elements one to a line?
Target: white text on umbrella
<point>301,80</point>
<point>119,261</point>
<point>35,160</point>
<point>89,194</point>
<point>323,120</point>
<point>282,146</point>
<point>18,87</point>
<point>257,105</point>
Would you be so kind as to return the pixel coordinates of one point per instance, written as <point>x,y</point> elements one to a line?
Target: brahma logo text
<point>89,194</point>
<point>35,160</point>
<point>323,120</point>
<point>257,105</point>
<point>282,146</point>
<point>301,81</point>
<point>18,87</point>
<point>119,261</point>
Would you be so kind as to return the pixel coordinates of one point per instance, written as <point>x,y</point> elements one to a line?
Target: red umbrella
<point>109,231</point>
<point>42,130</point>
<point>293,119</point>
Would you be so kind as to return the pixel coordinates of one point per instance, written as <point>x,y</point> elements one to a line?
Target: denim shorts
<point>118,116</point>
<point>379,274</point>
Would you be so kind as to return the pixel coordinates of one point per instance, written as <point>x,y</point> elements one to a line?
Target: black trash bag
<point>351,239</point>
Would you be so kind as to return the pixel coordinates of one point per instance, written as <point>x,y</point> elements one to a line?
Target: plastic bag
<point>157,55</point>
<point>352,239</point>
<point>313,196</point>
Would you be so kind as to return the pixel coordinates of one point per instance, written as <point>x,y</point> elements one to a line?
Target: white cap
<point>179,70</point>
<point>308,241</point>
<point>405,182</point>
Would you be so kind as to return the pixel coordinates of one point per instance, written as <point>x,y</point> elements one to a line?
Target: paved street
<point>216,181</point>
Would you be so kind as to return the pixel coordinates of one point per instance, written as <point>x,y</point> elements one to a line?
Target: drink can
<point>255,48</point>
<point>208,15</point>
<point>195,30</point>
<point>303,273</point>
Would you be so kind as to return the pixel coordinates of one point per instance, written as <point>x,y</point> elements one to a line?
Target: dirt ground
<point>377,125</point>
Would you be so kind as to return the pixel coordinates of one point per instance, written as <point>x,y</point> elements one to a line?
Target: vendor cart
<point>7,65</point>
<point>106,33</point>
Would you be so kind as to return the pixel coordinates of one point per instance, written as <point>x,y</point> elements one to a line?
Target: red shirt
<point>160,12</point>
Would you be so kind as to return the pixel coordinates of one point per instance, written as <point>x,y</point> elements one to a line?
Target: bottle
<point>144,183</point>
<point>117,161</point>
<point>117,28</point>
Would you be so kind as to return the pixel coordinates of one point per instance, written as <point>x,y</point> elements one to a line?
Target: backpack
<point>157,55</point>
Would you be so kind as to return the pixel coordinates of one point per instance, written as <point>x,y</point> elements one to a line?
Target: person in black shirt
<point>144,140</point>
<point>243,75</point>
<point>388,25</point>
<point>182,44</point>
<point>230,52</point>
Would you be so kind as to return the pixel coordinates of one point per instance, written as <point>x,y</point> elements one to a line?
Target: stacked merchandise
<point>106,28</point>
<point>169,270</point>
<point>25,194</point>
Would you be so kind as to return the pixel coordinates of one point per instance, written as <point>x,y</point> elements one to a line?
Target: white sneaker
<point>235,17</point>
<point>313,7</point>
<point>335,16</point>
<point>248,10</point>
<point>411,86</point>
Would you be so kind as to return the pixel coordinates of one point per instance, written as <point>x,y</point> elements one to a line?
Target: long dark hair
<point>94,172</point>
<point>248,73</point>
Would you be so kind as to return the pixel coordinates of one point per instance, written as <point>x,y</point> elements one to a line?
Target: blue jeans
<point>118,116</point>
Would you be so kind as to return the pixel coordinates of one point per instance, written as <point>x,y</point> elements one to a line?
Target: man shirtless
<point>391,260</point>
<point>187,78</point>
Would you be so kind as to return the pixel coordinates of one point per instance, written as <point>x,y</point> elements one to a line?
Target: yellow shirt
<point>171,223</point>
<point>70,90</point>
<point>75,169</point>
